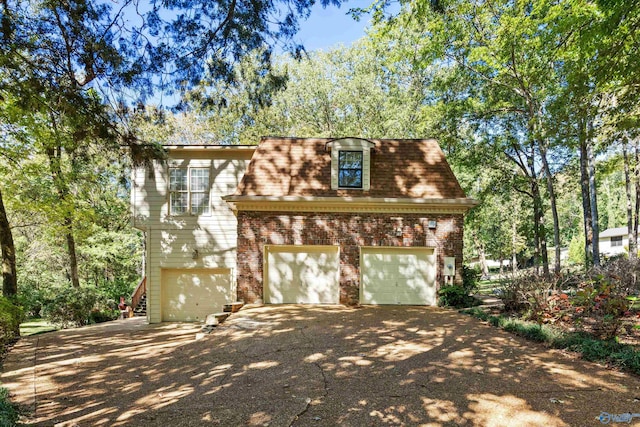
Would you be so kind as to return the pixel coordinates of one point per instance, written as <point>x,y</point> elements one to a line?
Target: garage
<point>301,274</point>
<point>405,276</point>
<point>189,295</point>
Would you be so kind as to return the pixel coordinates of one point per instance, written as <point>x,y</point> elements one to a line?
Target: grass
<point>36,326</point>
<point>488,286</point>
<point>596,350</point>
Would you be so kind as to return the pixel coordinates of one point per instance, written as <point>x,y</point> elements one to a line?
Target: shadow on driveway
<point>310,365</point>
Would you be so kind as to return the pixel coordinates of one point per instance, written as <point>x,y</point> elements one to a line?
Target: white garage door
<point>189,295</point>
<point>398,276</point>
<point>302,275</point>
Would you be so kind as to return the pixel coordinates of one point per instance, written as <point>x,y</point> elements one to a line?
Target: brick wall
<point>350,232</point>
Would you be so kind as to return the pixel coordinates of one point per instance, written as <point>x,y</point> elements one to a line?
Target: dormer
<point>350,164</point>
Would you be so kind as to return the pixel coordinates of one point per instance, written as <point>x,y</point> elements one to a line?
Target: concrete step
<point>232,307</point>
<point>216,318</point>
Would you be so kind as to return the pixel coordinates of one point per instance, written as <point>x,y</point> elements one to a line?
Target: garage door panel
<point>303,274</point>
<point>398,276</point>
<point>190,295</point>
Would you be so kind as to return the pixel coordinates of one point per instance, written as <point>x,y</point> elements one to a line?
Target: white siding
<point>172,241</point>
<point>608,250</point>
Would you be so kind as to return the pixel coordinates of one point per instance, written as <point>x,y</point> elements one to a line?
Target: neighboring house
<point>317,221</point>
<point>614,241</point>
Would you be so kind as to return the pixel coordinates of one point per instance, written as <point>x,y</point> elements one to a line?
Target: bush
<point>11,315</point>
<point>470,278</point>
<point>460,296</point>
<point>70,306</point>
<point>8,412</point>
<point>596,350</point>
<point>456,296</point>
<point>100,316</point>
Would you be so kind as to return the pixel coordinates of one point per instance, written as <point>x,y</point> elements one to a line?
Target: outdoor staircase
<point>141,308</point>
<point>139,298</point>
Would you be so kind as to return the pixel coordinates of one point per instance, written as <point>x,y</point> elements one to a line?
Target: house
<point>614,241</point>
<point>190,232</point>
<point>314,221</point>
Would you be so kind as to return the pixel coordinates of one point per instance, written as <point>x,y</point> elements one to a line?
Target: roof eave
<point>350,204</point>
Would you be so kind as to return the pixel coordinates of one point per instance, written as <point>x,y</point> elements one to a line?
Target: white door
<point>302,275</point>
<point>189,295</point>
<point>398,276</point>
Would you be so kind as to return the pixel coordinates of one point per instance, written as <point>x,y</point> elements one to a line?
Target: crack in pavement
<point>301,413</point>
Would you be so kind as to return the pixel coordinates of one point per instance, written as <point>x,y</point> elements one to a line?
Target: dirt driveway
<point>308,366</point>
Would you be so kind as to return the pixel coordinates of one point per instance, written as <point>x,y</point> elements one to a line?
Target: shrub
<point>455,296</point>
<point>70,306</point>
<point>100,316</point>
<point>593,349</point>
<point>11,315</point>
<point>8,412</point>
<point>622,273</point>
<point>470,278</point>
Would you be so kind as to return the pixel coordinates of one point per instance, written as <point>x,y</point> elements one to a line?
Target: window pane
<point>199,203</point>
<point>351,159</point>
<point>178,203</point>
<point>350,178</point>
<point>178,180</point>
<point>199,179</point>
<point>350,169</point>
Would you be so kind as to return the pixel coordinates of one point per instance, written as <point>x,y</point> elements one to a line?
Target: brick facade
<point>349,232</point>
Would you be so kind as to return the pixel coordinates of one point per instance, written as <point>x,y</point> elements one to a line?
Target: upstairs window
<point>616,241</point>
<point>350,169</point>
<point>188,191</point>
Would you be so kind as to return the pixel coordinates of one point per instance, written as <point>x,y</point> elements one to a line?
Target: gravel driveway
<point>310,366</point>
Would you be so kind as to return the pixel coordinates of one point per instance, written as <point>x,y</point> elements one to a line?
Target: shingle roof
<point>611,232</point>
<point>400,168</point>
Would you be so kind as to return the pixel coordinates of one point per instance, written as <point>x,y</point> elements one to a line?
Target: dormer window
<point>350,163</point>
<point>350,169</point>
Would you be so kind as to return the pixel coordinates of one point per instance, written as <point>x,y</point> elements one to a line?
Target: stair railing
<point>137,294</point>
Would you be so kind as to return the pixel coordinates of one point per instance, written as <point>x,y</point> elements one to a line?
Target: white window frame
<point>361,169</point>
<point>350,144</point>
<point>190,192</point>
<point>617,242</point>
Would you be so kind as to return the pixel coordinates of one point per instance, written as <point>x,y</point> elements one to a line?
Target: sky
<point>328,27</point>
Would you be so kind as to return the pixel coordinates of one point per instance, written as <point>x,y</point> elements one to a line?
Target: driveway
<point>308,366</point>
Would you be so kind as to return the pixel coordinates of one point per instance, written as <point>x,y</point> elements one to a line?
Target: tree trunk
<point>593,200</point>
<point>9,272</point>
<point>633,251</point>
<point>542,232</point>
<point>539,233</point>
<point>552,202</point>
<point>637,184</point>
<point>586,203</point>
<point>71,249</point>
<point>54,155</point>
<point>514,241</point>
<point>481,256</point>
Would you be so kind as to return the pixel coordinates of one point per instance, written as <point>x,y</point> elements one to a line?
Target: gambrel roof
<point>301,167</point>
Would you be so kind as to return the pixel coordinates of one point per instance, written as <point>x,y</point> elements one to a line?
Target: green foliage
<point>104,315</point>
<point>576,250</point>
<point>470,278</point>
<point>8,412</point>
<point>66,306</point>
<point>11,315</point>
<point>460,295</point>
<point>605,351</point>
<point>454,296</point>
